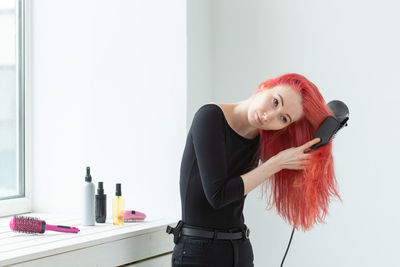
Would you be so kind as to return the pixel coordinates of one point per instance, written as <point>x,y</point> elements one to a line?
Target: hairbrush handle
<point>61,228</point>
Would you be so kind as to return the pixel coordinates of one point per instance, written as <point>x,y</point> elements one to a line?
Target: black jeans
<point>203,252</point>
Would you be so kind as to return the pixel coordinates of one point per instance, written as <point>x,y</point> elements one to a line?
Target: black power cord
<point>287,247</point>
<point>327,131</point>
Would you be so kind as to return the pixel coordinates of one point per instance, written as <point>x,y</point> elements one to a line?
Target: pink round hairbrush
<point>34,225</point>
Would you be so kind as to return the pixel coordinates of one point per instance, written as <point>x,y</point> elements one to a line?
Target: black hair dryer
<point>332,124</point>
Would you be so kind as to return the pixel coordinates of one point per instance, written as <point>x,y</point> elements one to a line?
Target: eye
<point>283,119</point>
<point>276,102</point>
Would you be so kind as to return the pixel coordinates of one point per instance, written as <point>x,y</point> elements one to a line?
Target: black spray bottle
<point>101,204</point>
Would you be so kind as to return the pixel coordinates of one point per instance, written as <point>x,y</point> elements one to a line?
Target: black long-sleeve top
<point>212,191</point>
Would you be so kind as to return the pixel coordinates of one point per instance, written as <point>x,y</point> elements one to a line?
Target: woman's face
<point>275,108</point>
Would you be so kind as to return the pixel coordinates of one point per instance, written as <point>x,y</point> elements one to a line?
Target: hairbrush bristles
<point>26,224</point>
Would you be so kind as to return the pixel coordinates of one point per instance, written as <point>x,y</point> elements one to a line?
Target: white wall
<point>199,56</point>
<point>349,49</point>
<point>109,92</point>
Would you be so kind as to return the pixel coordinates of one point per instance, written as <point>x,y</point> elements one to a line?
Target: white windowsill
<point>100,245</point>
<point>15,206</point>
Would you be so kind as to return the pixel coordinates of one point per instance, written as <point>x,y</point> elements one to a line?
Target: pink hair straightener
<point>133,216</point>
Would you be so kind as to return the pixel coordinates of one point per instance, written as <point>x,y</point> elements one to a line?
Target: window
<point>12,100</point>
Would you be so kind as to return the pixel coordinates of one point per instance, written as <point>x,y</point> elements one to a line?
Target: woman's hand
<point>292,158</point>
<point>295,158</point>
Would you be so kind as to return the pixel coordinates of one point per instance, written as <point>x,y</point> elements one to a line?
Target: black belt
<point>180,229</point>
<point>215,234</point>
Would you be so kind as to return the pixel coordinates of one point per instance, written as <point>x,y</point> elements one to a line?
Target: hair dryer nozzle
<point>332,124</point>
<point>340,111</point>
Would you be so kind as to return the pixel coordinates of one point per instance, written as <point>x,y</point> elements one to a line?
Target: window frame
<point>22,203</point>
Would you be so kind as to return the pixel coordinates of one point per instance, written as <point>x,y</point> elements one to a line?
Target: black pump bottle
<point>101,204</point>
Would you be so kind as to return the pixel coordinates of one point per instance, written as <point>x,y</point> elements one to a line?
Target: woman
<point>225,143</point>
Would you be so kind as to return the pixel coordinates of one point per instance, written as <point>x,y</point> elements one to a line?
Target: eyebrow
<point>282,106</point>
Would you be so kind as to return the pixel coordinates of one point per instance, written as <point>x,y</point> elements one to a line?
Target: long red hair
<point>301,197</point>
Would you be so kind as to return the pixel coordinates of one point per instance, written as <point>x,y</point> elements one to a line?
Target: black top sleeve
<point>210,148</point>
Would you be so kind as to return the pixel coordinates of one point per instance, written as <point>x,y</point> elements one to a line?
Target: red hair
<point>301,197</point>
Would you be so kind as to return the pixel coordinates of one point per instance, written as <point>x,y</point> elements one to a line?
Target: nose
<point>265,116</point>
